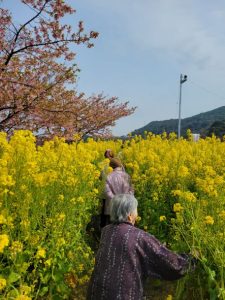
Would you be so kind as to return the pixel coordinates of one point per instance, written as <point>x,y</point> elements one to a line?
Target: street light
<point>183,78</point>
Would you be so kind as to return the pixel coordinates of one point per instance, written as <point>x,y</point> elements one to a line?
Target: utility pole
<point>183,78</point>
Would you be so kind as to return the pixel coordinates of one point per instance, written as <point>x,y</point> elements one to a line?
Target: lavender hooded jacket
<point>117,182</point>
<point>126,256</point>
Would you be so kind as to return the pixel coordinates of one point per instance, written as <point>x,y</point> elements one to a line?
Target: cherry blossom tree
<point>37,75</point>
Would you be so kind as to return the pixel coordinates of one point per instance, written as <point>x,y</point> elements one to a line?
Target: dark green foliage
<point>217,128</point>
<point>201,123</point>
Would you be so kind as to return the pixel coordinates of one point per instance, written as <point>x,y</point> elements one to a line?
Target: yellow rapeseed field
<point>49,193</point>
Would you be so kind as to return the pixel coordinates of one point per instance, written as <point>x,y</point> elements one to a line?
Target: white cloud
<point>180,30</point>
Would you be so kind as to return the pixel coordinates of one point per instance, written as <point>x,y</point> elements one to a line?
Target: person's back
<point>118,182</point>
<point>116,272</point>
<point>125,257</point>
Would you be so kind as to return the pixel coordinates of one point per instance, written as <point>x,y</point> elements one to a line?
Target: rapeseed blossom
<point>49,194</point>
<point>25,289</point>
<point>2,219</point>
<point>22,297</point>
<point>48,262</point>
<point>61,217</point>
<point>177,207</point>
<point>2,283</point>
<point>183,171</point>
<point>209,220</point>
<point>162,218</point>
<point>222,214</point>
<point>41,253</point>
<point>176,192</point>
<point>4,242</point>
<point>16,247</point>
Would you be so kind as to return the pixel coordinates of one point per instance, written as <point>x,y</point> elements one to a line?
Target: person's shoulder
<point>140,235</point>
<point>135,230</point>
<point>114,174</point>
<point>145,236</point>
<point>120,173</point>
<point>106,230</point>
<point>125,226</point>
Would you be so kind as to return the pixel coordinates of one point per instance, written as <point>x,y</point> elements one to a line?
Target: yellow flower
<point>96,174</point>
<point>2,219</point>
<point>48,262</point>
<point>22,297</point>
<point>83,279</point>
<point>4,242</point>
<point>2,283</point>
<point>16,247</point>
<point>80,199</point>
<point>41,253</point>
<point>7,180</point>
<point>81,267</point>
<point>177,207</point>
<point>60,242</point>
<point>169,297</point>
<point>86,255</point>
<point>25,289</point>
<point>138,219</point>
<point>61,197</point>
<point>25,223</point>
<point>155,196</point>
<point>34,239</point>
<point>110,169</point>
<point>183,171</point>
<point>9,222</point>
<point>209,220</point>
<point>61,217</point>
<point>189,196</point>
<point>162,218</point>
<point>222,214</point>
<point>23,187</point>
<point>95,191</point>
<point>176,192</point>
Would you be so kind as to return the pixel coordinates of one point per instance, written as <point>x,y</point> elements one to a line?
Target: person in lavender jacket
<point>117,182</point>
<point>128,255</point>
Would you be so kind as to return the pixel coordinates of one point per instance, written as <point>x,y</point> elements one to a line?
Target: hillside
<point>200,123</point>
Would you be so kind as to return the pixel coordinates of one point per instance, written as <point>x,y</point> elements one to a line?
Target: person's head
<point>124,208</point>
<point>115,163</point>
<point>109,153</point>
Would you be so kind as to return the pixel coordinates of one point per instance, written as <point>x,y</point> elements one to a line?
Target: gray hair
<point>122,206</point>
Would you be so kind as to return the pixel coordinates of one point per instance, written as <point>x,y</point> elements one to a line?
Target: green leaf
<point>13,277</point>
<point>43,291</point>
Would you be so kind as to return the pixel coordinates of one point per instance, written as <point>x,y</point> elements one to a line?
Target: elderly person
<point>127,255</point>
<point>117,182</point>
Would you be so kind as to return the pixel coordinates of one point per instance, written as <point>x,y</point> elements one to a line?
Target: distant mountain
<point>201,123</point>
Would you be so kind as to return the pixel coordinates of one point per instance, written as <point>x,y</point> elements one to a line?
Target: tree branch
<point>17,82</point>
<point>45,44</point>
<point>20,29</point>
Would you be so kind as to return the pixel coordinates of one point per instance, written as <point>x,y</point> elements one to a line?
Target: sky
<point>142,49</point>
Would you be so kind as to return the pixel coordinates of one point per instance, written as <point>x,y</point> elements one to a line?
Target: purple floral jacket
<point>117,182</point>
<point>126,256</point>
